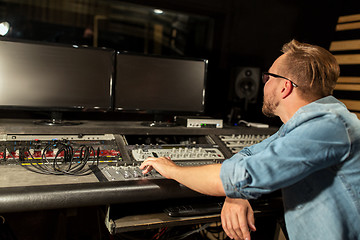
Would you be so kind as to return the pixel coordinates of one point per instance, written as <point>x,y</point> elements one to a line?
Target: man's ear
<point>287,89</point>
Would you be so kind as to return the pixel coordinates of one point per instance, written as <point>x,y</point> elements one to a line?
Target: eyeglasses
<point>266,76</point>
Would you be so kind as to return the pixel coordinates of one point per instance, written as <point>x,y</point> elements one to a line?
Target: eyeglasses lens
<point>265,78</point>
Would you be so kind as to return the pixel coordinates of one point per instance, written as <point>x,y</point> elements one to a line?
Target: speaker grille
<point>246,83</point>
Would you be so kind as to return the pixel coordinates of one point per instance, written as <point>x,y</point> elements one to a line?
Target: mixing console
<point>65,152</point>
<point>237,142</point>
<point>97,163</point>
<point>184,150</point>
<point>178,148</point>
<point>122,172</point>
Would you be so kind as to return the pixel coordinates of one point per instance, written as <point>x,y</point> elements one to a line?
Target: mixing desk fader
<point>178,154</point>
<point>125,172</point>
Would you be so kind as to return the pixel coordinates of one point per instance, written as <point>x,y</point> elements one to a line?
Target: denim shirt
<point>315,159</point>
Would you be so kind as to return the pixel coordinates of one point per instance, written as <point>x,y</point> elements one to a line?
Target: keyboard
<point>197,209</point>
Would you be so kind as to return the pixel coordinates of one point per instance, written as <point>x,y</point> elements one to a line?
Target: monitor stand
<point>56,120</point>
<point>158,122</point>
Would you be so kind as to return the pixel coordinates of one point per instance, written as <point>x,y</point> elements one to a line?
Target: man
<point>314,157</point>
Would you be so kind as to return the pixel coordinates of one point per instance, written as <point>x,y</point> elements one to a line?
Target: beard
<point>269,106</point>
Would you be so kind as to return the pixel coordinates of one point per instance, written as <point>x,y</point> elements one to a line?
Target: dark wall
<point>251,33</point>
<point>258,29</point>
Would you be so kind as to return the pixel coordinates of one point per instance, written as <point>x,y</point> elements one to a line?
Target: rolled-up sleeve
<point>234,189</point>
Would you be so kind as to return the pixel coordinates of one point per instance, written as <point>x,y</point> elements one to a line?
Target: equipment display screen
<point>155,84</point>
<point>55,76</point>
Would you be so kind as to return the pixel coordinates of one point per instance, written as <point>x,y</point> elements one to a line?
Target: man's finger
<point>226,228</point>
<point>147,169</point>
<point>242,229</point>
<point>231,229</point>
<point>251,220</point>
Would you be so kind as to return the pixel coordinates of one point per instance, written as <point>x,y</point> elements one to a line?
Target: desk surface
<point>27,126</point>
<point>60,193</point>
<point>17,176</point>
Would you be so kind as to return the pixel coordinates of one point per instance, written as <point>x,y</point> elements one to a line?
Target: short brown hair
<point>314,68</point>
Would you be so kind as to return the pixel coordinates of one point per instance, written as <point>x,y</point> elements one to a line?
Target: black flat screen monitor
<point>160,84</point>
<point>55,78</point>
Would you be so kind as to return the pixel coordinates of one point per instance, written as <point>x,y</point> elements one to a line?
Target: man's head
<point>309,70</point>
<point>314,69</point>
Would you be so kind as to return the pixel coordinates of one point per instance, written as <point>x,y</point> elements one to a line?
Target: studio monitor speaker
<point>246,81</point>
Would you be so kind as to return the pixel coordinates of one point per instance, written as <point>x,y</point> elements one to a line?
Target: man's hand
<point>162,164</point>
<point>237,217</point>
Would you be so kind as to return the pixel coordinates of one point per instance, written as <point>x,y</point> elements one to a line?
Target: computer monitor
<point>160,85</point>
<point>55,78</point>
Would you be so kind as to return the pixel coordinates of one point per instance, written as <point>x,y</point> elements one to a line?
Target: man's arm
<point>204,179</point>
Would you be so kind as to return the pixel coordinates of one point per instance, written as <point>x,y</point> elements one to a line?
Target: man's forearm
<point>204,179</point>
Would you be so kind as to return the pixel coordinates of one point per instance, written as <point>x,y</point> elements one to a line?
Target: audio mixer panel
<point>103,150</point>
<point>236,142</point>
<point>184,150</point>
<point>178,148</point>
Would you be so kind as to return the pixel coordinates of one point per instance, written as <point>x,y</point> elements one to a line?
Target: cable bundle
<point>68,164</point>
